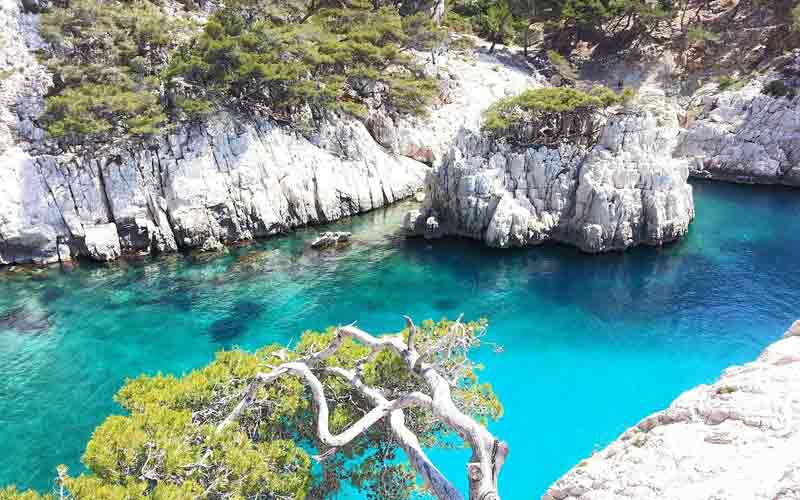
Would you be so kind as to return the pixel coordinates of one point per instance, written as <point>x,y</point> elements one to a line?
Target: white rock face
<point>737,439</point>
<point>209,185</point>
<point>234,178</point>
<point>626,190</point>
<point>230,179</point>
<point>744,136</point>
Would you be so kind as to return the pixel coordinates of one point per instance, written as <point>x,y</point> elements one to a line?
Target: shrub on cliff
<point>106,57</point>
<point>129,68</point>
<point>333,60</point>
<point>549,115</point>
<point>245,425</point>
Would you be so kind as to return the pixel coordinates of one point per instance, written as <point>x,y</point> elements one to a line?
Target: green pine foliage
<point>595,12</point>
<point>331,61</point>
<point>11,493</point>
<point>493,20</point>
<point>131,68</point>
<point>561,65</point>
<point>568,20</point>
<point>552,114</point>
<point>166,445</point>
<point>106,57</point>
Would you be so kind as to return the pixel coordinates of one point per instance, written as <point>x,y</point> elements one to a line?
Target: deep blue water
<point>592,343</point>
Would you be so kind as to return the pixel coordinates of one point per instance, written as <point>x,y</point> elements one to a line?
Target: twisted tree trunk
<point>488,453</point>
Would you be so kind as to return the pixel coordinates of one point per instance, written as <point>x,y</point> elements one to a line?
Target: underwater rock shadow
<point>24,320</point>
<point>233,324</point>
<point>51,293</point>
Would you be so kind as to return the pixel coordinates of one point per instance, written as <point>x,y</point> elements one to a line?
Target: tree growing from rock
<point>244,426</point>
<point>130,69</point>
<point>549,116</point>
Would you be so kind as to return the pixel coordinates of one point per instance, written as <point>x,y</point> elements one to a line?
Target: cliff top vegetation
<point>134,68</point>
<point>548,115</point>
<point>130,68</point>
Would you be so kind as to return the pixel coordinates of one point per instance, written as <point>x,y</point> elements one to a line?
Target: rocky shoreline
<point>201,186</point>
<point>743,136</point>
<point>734,439</point>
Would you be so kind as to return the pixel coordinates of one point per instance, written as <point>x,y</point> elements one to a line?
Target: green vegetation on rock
<point>11,493</point>
<point>129,69</point>
<point>548,115</point>
<point>106,58</point>
<point>332,60</point>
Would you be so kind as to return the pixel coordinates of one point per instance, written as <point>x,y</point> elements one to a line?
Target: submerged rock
<point>23,319</point>
<point>331,239</point>
<point>626,190</point>
<point>230,327</point>
<point>736,439</point>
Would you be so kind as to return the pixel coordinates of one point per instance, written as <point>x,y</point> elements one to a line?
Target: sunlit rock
<point>735,439</point>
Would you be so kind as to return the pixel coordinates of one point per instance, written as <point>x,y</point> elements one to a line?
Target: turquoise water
<point>592,343</point>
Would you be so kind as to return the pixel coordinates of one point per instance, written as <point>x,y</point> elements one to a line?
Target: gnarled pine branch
<point>488,453</point>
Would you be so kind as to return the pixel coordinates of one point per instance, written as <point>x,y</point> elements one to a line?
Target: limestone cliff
<point>623,191</point>
<point>739,132</point>
<point>734,439</point>
<point>744,135</point>
<point>203,185</point>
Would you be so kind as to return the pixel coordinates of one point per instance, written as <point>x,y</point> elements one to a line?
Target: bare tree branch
<point>488,453</point>
<point>412,332</point>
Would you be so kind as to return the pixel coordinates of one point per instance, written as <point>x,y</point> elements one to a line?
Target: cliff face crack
<point>54,200</point>
<point>238,216</point>
<point>68,183</point>
<point>104,191</point>
<point>317,203</point>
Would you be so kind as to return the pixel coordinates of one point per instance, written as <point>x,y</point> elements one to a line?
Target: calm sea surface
<point>592,343</point>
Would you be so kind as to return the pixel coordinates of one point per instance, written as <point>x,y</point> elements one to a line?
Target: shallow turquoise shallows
<point>592,343</point>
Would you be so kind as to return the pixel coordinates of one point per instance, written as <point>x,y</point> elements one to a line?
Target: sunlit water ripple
<point>592,343</point>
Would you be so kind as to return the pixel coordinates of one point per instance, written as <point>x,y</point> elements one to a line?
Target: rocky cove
<point>608,339</point>
<point>635,328</point>
<point>235,178</point>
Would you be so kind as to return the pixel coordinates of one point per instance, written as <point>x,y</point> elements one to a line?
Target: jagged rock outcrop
<point>740,134</point>
<point>626,190</point>
<point>224,181</point>
<point>743,135</point>
<point>736,439</point>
